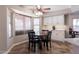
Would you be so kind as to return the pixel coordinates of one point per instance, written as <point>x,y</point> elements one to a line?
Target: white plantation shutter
<point>27,23</point>
<point>36,25</point>
<point>19,22</point>
<point>22,24</point>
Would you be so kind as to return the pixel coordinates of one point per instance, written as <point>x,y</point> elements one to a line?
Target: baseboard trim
<point>14,46</point>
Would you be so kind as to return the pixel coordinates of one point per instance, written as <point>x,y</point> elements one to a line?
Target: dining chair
<point>47,39</point>
<point>45,32</point>
<point>33,39</point>
<point>30,35</point>
<point>71,33</point>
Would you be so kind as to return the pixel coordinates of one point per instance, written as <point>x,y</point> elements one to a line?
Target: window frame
<point>76,25</point>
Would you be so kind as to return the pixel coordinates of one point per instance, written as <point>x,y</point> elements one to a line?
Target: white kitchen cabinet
<point>48,20</point>
<point>60,20</point>
<point>58,35</point>
<point>54,20</point>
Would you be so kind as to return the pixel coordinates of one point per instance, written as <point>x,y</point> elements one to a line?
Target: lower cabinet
<point>58,35</point>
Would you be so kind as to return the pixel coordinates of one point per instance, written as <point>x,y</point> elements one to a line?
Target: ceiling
<point>52,7</point>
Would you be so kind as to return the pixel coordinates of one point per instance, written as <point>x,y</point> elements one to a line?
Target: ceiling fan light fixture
<point>38,6</point>
<point>38,13</point>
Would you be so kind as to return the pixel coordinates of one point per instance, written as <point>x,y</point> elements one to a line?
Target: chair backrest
<point>45,32</point>
<point>30,30</point>
<point>31,35</point>
<point>70,31</point>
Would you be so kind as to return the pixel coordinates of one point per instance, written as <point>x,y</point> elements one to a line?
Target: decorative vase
<point>53,27</point>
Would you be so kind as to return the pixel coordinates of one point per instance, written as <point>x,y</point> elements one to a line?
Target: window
<point>76,24</point>
<point>22,24</point>
<point>19,25</point>
<point>36,25</point>
<point>27,23</point>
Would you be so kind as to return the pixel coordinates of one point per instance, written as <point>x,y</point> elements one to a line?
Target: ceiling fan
<point>42,9</point>
<point>39,10</point>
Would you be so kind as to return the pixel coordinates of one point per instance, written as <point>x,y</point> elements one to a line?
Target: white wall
<point>3,29</point>
<point>69,21</point>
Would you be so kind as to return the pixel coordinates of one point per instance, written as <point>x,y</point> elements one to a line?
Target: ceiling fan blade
<point>46,8</point>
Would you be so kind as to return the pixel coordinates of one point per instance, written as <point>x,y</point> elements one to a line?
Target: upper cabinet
<point>47,20</point>
<point>54,20</point>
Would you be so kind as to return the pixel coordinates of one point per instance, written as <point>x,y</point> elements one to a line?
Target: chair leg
<point>34,47</point>
<point>47,45</point>
<point>29,46</point>
<point>40,45</point>
<point>44,43</point>
<point>50,44</point>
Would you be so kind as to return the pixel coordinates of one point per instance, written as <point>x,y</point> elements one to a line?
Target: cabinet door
<point>58,35</point>
<point>48,21</point>
<point>54,20</point>
<point>60,20</point>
